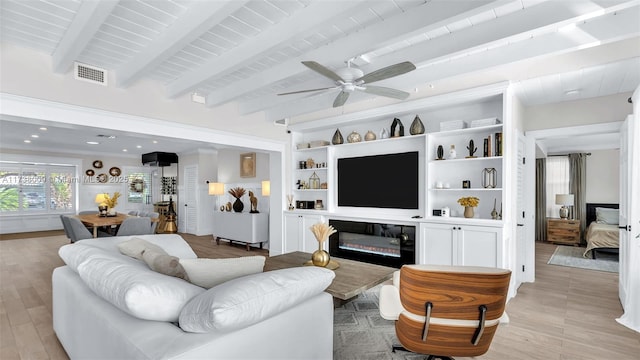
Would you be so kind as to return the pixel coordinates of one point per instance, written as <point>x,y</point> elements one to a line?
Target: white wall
<point>581,112</point>
<point>603,176</point>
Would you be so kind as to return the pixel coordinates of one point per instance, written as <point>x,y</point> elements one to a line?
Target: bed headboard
<point>591,210</point>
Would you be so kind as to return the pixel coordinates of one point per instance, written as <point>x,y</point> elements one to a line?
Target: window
<point>557,182</point>
<point>139,188</point>
<point>26,189</point>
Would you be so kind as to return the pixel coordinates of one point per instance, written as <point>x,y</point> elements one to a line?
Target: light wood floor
<point>566,314</point>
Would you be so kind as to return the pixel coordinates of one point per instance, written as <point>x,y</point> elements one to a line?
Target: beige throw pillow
<point>164,264</point>
<point>208,273</point>
<point>136,246</point>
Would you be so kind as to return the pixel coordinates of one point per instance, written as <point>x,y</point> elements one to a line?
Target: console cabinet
<point>458,244</point>
<point>246,228</point>
<point>298,234</point>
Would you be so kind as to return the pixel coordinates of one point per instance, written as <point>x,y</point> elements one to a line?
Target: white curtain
<point>557,174</point>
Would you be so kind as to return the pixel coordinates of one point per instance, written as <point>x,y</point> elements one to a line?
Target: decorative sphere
<point>320,258</point>
<point>354,137</point>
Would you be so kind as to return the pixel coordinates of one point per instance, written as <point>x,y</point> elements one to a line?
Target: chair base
<point>395,347</point>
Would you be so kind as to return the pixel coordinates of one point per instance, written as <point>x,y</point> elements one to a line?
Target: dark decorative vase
<point>397,122</point>
<point>417,127</point>
<point>440,152</point>
<point>238,206</point>
<point>337,138</point>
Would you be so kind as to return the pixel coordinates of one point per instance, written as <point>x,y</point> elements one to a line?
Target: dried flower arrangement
<point>322,231</point>
<point>469,201</point>
<point>111,201</point>
<point>237,192</point>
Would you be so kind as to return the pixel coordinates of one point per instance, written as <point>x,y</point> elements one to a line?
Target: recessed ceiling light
<point>43,128</point>
<point>125,150</point>
<point>35,136</point>
<point>155,141</point>
<point>197,98</point>
<point>27,141</point>
<point>139,146</point>
<point>93,143</point>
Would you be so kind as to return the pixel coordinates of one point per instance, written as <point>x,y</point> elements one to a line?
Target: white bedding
<point>601,236</point>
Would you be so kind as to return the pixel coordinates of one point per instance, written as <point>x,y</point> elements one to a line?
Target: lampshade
<point>564,199</point>
<point>216,188</point>
<point>100,198</point>
<point>266,188</point>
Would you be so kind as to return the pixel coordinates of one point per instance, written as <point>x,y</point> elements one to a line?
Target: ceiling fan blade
<point>387,72</point>
<point>340,99</point>
<point>385,91</point>
<point>310,90</point>
<point>322,70</point>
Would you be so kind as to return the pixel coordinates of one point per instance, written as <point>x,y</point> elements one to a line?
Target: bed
<point>602,229</point>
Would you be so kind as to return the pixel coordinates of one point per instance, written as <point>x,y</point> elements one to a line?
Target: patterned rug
<point>359,333</point>
<point>571,256</point>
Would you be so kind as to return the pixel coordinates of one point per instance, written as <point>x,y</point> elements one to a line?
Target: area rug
<point>360,333</point>
<point>571,256</point>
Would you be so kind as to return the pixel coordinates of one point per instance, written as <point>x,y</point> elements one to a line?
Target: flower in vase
<point>469,201</point>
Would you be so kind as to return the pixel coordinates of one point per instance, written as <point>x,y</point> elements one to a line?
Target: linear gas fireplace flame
<point>383,244</point>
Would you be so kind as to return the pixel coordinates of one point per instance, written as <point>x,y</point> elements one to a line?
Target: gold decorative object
<point>310,163</point>
<point>320,257</point>
<point>248,165</point>
<point>227,207</point>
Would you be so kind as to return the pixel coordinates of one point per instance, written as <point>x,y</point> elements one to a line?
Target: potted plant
<point>237,193</point>
<point>469,202</point>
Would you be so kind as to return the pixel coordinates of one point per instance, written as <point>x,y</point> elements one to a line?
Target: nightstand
<point>563,231</point>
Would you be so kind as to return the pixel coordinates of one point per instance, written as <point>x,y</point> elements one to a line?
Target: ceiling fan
<point>349,79</point>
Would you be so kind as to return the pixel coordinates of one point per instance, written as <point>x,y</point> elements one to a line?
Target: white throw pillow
<point>136,246</point>
<point>211,272</point>
<point>138,291</point>
<point>245,301</point>
<point>607,216</point>
<point>164,264</point>
<point>173,244</point>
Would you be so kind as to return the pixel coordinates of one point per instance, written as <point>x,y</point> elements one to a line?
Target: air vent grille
<point>90,73</point>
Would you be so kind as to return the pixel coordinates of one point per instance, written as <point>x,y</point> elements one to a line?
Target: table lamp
<point>565,200</point>
<point>102,205</point>
<point>216,189</point>
<point>266,188</point>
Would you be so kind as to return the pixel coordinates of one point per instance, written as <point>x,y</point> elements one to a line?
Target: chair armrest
<point>390,305</point>
<point>396,279</point>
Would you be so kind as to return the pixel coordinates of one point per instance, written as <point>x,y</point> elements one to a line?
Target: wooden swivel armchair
<point>445,311</point>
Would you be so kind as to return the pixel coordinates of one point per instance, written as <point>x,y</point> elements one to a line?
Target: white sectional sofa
<point>109,306</point>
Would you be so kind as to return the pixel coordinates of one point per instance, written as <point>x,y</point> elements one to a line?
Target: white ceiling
<point>246,52</point>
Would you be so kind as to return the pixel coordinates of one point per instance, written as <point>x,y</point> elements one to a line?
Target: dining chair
<point>76,229</point>
<point>135,226</point>
<point>445,311</point>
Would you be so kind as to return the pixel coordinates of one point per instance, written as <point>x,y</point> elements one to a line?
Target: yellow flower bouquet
<point>469,201</point>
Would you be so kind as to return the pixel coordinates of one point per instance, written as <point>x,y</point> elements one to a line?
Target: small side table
<point>563,231</point>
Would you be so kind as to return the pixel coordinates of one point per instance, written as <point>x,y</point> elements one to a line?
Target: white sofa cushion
<point>173,244</point>
<point>244,301</point>
<point>211,272</point>
<point>136,290</point>
<point>75,254</point>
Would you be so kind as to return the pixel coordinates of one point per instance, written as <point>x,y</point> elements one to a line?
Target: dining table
<point>95,221</point>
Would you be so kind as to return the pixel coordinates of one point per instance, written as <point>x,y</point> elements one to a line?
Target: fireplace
<point>376,243</point>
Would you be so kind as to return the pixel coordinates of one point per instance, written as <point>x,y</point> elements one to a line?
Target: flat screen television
<point>388,181</point>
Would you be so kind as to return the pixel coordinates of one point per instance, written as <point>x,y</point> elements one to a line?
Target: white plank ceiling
<point>246,52</point>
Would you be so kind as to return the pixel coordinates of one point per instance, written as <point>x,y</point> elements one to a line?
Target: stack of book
<point>493,145</point>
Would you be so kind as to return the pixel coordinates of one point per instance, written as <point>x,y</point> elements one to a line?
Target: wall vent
<point>90,73</point>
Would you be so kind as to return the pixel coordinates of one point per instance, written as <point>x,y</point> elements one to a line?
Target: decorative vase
<point>452,152</point>
<point>417,127</point>
<point>354,137</point>
<point>440,152</point>
<point>494,212</point>
<point>337,138</point>
<point>468,211</point>
<point>400,128</point>
<point>384,134</point>
<point>320,257</point>
<point>227,206</point>
<point>369,136</point>
<point>238,206</point>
